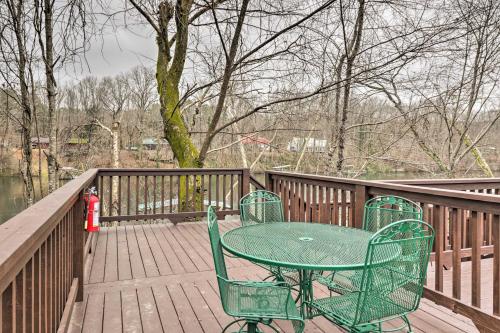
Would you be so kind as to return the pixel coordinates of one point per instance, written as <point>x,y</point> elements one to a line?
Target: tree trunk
<point>115,160</point>
<point>26,167</point>
<point>115,135</point>
<point>51,96</point>
<point>168,78</point>
<point>352,52</point>
<point>478,157</point>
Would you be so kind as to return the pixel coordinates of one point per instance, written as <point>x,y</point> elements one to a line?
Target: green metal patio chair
<point>266,207</point>
<point>378,212</point>
<point>391,282</point>
<point>261,207</point>
<point>251,302</point>
<point>384,210</point>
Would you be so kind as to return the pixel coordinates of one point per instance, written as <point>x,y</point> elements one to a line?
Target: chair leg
<point>405,319</point>
<point>231,324</point>
<point>273,328</point>
<point>269,277</point>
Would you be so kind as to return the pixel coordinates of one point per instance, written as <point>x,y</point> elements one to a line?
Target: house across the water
<point>40,142</point>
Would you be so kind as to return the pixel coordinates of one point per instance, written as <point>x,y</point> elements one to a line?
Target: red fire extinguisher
<point>92,208</point>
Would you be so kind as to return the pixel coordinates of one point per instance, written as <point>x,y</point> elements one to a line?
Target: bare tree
<point>14,44</point>
<point>453,89</point>
<point>61,31</point>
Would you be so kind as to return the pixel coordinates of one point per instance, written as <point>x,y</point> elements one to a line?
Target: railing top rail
<point>173,172</point>
<point>459,199</point>
<point>24,233</point>
<point>464,181</point>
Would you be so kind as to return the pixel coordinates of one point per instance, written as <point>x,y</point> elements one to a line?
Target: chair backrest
<point>395,270</point>
<point>217,254</point>
<point>384,210</point>
<point>261,207</point>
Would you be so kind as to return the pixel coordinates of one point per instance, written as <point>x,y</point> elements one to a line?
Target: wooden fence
<point>467,226</point>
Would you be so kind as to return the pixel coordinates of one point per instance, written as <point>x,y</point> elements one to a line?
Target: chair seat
<point>288,275</point>
<point>342,308</point>
<point>259,300</point>
<point>350,281</point>
<point>341,281</point>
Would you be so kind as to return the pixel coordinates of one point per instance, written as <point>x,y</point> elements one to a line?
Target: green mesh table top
<point>309,246</point>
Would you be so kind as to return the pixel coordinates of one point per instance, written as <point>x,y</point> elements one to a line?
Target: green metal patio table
<point>306,247</point>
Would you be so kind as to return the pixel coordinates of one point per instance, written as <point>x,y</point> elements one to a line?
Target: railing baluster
<point>328,216</point>
<point>119,179</point>
<point>336,206</point>
<point>19,301</point>
<point>50,288</point>
<point>217,192</point>
<point>154,194</point>
<point>145,194</point>
<point>7,308</point>
<point>128,195</point>
<point>438,222</point>
<point>223,192</point>
<point>286,198</point>
<point>210,189</point>
<point>456,221</point>
<point>307,202</point>
<point>179,194</point>
<point>28,296</point>
<point>57,273</point>
<point>321,205</point>
<point>300,201</point>
<point>186,187</point>
<point>477,237</point>
<point>314,203</point>
<point>294,200</point>
<point>110,204</point>
<point>171,193</point>
<point>36,317</point>
<point>343,207</point>
<point>163,194</point>
<point>44,281</point>
<point>202,201</point>
<point>101,194</point>
<point>496,264</point>
<point>231,191</point>
<point>137,195</point>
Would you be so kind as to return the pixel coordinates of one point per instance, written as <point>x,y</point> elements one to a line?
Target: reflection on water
<point>11,199</point>
<point>12,196</point>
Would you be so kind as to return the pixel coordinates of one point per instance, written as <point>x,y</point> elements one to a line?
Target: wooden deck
<point>160,278</point>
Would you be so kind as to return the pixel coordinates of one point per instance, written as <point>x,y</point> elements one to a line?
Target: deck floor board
<point>160,278</point>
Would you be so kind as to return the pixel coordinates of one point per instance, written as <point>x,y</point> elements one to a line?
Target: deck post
<point>269,181</point>
<point>78,244</point>
<point>245,182</point>
<point>360,197</point>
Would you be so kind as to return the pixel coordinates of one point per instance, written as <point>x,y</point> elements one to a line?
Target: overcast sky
<point>114,52</point>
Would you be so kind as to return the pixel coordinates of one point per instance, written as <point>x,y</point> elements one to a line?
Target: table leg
<point>306,293</point>
<point>252,327</point>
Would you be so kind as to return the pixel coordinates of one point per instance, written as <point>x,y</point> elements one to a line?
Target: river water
<point>12,195</point>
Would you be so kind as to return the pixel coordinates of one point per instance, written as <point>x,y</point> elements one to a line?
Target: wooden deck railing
<point>43,249</point>
<point>41,261</point>
<point>176,194</point>
<point>467,227</point>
